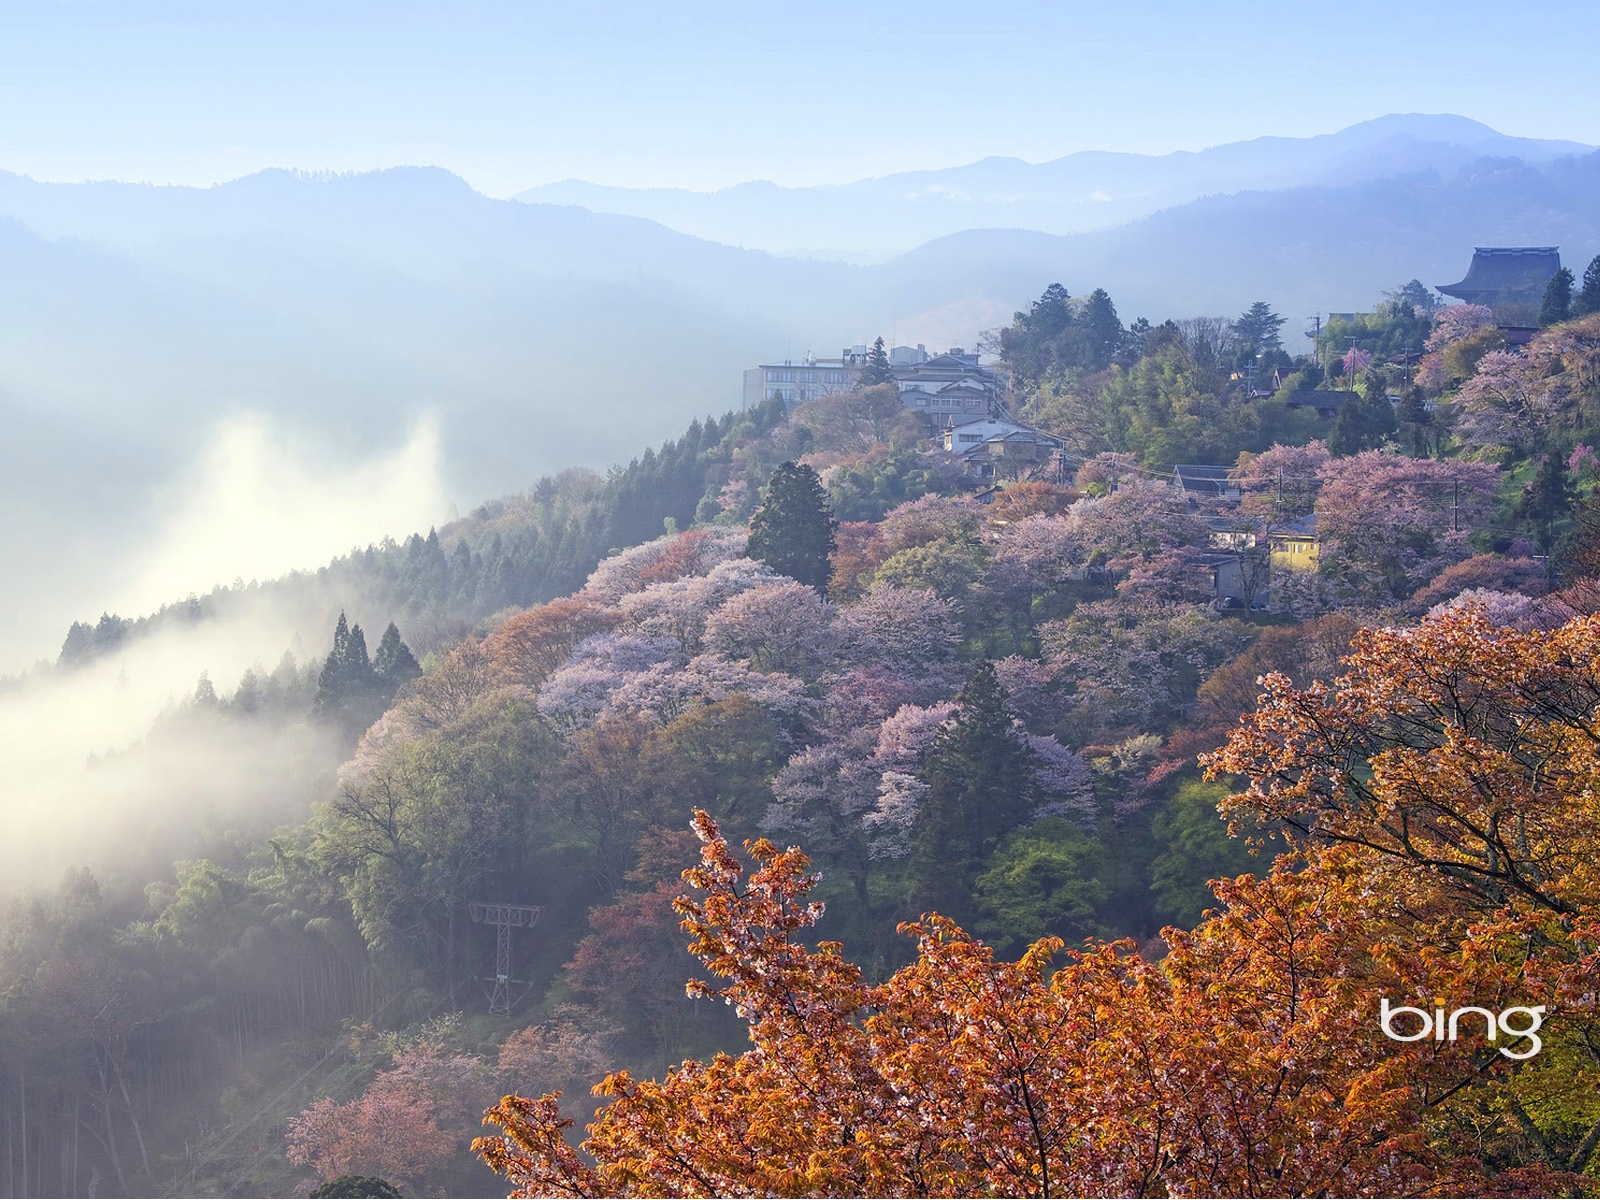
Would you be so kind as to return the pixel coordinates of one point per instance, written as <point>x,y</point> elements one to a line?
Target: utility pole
<point>1315,334</point>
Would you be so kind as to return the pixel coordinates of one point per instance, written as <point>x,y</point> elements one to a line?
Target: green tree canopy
<point>394,663</point>
<point>792,531</point>
<point>1588,300</point>
<point>1557,304</point>
<point>1257,329</point>
<point>877,369</point>
<point>979,773</point>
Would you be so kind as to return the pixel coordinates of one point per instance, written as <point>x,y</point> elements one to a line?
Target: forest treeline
<point>814,627</point>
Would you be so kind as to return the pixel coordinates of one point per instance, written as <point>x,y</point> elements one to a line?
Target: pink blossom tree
<point>910,631</point>
<point>1456,322</point>
<point>779,626</point>
<point>1507,402</point>
<point>671,557</point>
<point>1387,523</point>
<point>1135,523</point>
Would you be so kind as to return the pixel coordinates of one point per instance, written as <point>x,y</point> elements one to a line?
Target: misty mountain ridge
<point>1085,191</point>
<point>135,320</point>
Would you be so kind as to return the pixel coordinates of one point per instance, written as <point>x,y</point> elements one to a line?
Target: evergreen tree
<point>979,773</point>
<point>792,531</point>
<point>1257,329</point>
<point>1029,344</point>
<point>1588,300</point>
<point>79,646</point>
<point>1363,423</point>
<point>1557,304</point>
<point>347,688</point>
<point>1102,329</point>
<point>1415,299</point>
<point>1547,500</point>
<point>394,663</point>
<point>877,369</point>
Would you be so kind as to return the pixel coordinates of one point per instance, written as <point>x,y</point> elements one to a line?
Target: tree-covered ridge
<point>993,709</point>
<point>507,553</point>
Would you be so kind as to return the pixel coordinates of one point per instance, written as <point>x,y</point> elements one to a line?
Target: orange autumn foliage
<point>1441,798</point>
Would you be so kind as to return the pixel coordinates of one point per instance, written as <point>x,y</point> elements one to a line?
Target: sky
<point>706,94</point>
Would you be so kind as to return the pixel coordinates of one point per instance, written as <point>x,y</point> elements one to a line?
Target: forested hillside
<point>982,698</point>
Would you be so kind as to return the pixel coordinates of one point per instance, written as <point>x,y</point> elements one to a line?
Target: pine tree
<point>1257,329</point>
<point>1588,300</point>
<point>347,686</point>
<point>792,531</point>
<point>1547,500</point>
<point>1557,304</point>
<point>1102,329</point>
<point>394,664</point>
<point>979,774</point>
<point>877,369</point>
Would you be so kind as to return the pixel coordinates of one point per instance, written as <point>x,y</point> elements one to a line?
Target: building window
<point>971,437</point>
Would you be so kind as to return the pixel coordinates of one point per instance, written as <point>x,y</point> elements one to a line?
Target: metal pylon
<point>505,918</point>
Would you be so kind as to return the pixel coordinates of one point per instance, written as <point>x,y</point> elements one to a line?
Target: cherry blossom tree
<point>667,689</point>
<point>1034,557</point>
<point>1135,523</point>
<point>1356,360</point>
<point>1493,572</point>
<point>680,608</point>
<point>582,689</point>
<point>910,631</point>
<point>527,647</point>
<point>1282,482</point>
<point>1456,329</point>
<point>1388,523</point>
<point>1127,668</point>
<point>931,518</point>
<point>1505,403</point>
<point>671,557</point>
<point>780,626</point>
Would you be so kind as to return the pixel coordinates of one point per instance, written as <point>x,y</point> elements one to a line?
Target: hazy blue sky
<point>707,94</point>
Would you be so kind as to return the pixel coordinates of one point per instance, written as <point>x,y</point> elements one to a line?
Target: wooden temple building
<point>1509,279</point>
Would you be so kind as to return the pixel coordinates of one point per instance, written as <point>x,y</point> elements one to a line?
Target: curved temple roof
<point>1506,273</point>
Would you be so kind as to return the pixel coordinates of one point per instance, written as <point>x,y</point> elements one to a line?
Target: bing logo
<point>1444,1028</point>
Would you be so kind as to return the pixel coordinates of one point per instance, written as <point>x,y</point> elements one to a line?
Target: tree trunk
<point>138,1134</point>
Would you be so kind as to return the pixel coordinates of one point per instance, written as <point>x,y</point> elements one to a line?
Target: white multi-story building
<point>811,377</point>
<point>943,388</point>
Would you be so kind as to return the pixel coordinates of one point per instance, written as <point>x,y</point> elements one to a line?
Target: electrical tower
<point>505,918</point>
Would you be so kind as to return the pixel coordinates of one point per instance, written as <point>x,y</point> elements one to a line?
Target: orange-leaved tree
<point>1441,802</point>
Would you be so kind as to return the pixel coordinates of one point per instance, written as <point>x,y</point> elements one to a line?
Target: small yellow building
<point>1295,545</point>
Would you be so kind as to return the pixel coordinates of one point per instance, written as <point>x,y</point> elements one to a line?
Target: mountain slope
<point>1079,192</point>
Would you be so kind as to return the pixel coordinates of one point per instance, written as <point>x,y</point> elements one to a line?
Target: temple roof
<point>1506,272</point>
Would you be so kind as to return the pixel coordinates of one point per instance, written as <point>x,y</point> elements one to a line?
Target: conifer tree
<point>347,685</point>
<point>394,663</point>
<point>979,773</point>
<point>1588,300</point>
<point>792,531</point>
<point>1557,304</point>
<point>877,369</point>
<point>1257,328</point>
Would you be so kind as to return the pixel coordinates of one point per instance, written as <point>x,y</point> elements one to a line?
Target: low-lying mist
<point>111,764</point>
<point>259,503</point>
<point>255,499</point>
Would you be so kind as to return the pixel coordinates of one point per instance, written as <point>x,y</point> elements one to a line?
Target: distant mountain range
<point>872,219</point>
<point>132,317</point>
